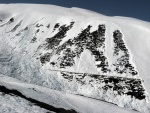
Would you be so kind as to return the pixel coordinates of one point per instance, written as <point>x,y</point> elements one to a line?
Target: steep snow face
<point>77,51</point>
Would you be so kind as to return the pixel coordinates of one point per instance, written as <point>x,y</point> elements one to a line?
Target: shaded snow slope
<point>13,104</point>
<point>53,98</point>
<point>77,51</point>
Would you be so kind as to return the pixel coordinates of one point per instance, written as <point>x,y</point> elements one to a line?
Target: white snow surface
<point>52,97</point>
<point>19,58</point>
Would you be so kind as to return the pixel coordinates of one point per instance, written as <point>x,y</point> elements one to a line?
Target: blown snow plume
<point>77,51</point>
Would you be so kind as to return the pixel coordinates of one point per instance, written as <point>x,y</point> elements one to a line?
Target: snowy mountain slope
<point>13,104</point>
<point>56,99</point>
<point>77,51</point>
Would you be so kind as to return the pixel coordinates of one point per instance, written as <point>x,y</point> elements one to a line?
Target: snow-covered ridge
<point>38,42</point>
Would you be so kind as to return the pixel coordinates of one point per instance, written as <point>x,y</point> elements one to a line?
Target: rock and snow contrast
<point>69,60</point>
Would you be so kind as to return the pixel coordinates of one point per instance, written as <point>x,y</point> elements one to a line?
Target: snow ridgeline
<point>32,45</point>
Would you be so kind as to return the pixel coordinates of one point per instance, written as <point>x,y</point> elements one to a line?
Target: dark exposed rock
<point>21,31</point>
<point>85,40</point>
<point>54,41</point>
<point>122,64</point>
<point>39,25</point>
<point>12,20</point>
<point>45,58</point>
<point>52,63</point>
<point>18,34</point>
<point>67,60</point>
<point>56,25</point>
<point>123,86</point>
<point>66,76</point>
<point>92,41</point>
<point>33,39</point>
<point>15,28</point>
<point>48,26</point>
<point>37,31</point>
<point>26,28</point>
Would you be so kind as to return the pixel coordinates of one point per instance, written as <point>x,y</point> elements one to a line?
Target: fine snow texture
<point>53,98</point>
<point>77,51</point>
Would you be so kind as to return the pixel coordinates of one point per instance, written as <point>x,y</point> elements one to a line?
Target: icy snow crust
<point>77,51</point>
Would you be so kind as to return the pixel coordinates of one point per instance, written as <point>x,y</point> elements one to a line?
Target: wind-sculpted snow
<point>125,92</point>
<point>79,54</point>
<point>49,99</point>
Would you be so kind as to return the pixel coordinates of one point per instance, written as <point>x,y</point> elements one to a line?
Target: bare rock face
<point>71,53</point>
